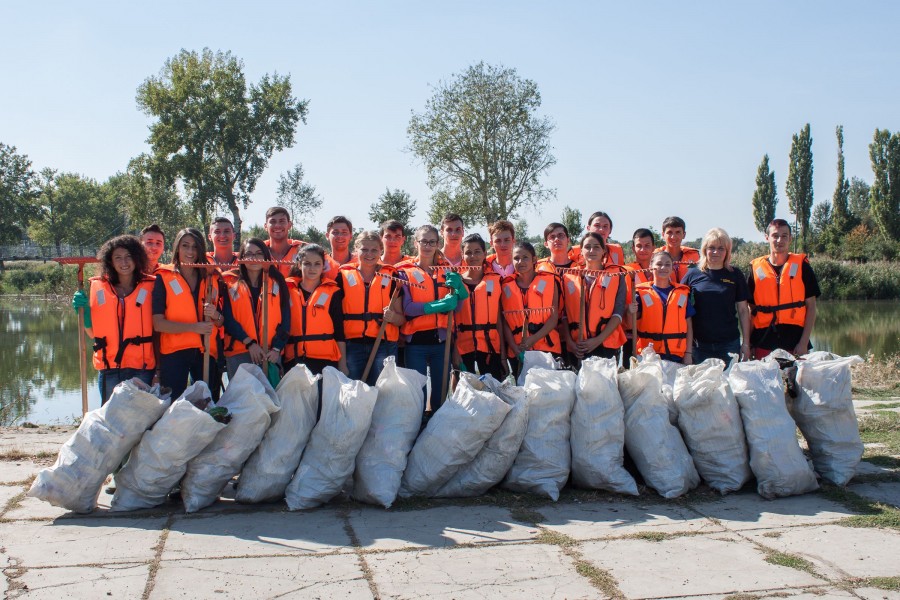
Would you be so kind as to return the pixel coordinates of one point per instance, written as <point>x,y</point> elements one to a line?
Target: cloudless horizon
<point>660,108</point>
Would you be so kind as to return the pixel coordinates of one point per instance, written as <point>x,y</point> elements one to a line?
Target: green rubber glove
<point>274,375</point>
<point>444,305</point>
<point>454,281</point>
<point>462,368</point>
<point>80,300</point>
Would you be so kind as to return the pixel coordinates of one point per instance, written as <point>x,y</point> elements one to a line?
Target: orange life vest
<point>364,304</point>
<point>689,258</point>
<point>426,288</point>
<point>782,298</point>
<point>491,259</point>
<point>614,255</point>
<point>312,331</point>
<point>230,271</point>
<point>539,295</point>
<point>250,320</point>
<point>598,305</point>
<point>123,327</point>
<point>477,317</point>
<point>663,325</point>
<point>332,266</point>
<point>293,247</point>
<point>181,308</point>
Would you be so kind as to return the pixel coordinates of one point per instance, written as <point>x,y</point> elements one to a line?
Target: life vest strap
<point>662,336</point>
<point>478,327</point>
<point>772,309</point>
<point>363,316</point>
<point>137,341</point>
<point>320,337</point>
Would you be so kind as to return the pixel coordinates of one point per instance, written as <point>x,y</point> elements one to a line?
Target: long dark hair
<point>272,270</point>
<point>201,247</point>
<point>134,248</point>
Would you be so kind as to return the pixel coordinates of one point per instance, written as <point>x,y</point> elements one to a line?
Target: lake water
<point>39,370</point>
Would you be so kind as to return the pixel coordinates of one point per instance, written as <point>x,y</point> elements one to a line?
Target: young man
<point>556,240</point>
<point>673,231</point>
<point>643,245</point>
<point>503,238</point>
<point>393,238</point>
<point>783,289</point>
<point>278,226</point>
<point>339,232</point>
<point>221,237</point>
<point>452,231</point>
<point>154,242</point>
<point>601,223</point>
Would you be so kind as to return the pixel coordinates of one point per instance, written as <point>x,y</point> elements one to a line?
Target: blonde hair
<point>716,234</point>
<point>367,236</point>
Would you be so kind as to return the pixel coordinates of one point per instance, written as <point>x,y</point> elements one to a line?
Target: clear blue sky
<point>661,107</point>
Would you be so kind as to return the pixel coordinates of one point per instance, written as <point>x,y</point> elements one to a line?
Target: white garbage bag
<point>496,457</point>
<point>543,463</point>
<point>269,469</point>
<point>395,424</point>
<point>535,359</point>
<point>159,461</point>
<point>249,402</point>
<point>103,439</point>
<point>598,429</point>
<point>775,456</point>
<point>330,455</point>
<point>824,413</point>
<point>710,422</point>
<point>652,441</point>
<point>667,372</point>
<point>453,437</point>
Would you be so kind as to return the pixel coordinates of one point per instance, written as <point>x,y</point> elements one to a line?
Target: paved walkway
<point>588,545</point>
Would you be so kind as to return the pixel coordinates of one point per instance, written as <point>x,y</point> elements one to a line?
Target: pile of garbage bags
<point>315,437</point>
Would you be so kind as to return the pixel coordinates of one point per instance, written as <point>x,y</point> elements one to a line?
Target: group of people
<point>280,302</point>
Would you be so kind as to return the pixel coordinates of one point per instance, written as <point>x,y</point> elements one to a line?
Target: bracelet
<point>691,353</point>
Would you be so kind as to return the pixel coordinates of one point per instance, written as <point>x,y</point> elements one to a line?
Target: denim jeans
<point>175,368</point>
<point>720,350</point>
<point>108,379</point>
<point>422,357</point>
<point>358,354</point>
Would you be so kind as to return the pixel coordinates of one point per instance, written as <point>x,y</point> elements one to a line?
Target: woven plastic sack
<point>543,463</point>
<point>453,437</point>
<point>775,456</point>
<point>159,461</point>
<point>710,422</point>
<point>496,457</point>
<point>667,372</point>
<point>103,439</point>
<point>248,398</point>
<point>824,413</point>
<point>330,455</point>
<point>535,359</point>
<point>652,441</point>
<point>269,469</point>
<point>395,424</point>
<point>598,429</point>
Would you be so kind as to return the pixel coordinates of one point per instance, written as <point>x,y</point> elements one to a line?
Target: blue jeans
<point>358,354</point>
<point>108,379</point>
<point>421,356</point>
<point>720,350</point>
<point>175,368</point>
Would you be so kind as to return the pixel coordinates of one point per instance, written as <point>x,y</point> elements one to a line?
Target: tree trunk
<point>236,219</point>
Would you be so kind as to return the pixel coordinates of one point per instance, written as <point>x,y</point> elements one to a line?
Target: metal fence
<point>32,251</point>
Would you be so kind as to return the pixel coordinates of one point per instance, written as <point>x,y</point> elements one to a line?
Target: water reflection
<point>39,371</point>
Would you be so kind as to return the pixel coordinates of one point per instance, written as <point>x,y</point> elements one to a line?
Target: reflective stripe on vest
<point>663,322</point>
<point>539,295</point>
<point>123,327</point>
<point>778,299</point>
<point>312,331</point>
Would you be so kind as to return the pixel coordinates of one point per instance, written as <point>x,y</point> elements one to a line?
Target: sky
<point>660,108</point>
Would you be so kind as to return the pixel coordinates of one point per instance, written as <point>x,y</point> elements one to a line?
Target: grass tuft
<point>871,513</point>
<point>792,561</point>
<point>881,427</point>
<point>651,536</point>
<point>547,536</point>
<point>600,579</point>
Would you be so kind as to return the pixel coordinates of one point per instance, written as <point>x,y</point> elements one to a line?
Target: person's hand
<point>211,312</point>
<point>744,354</point>
<point>688,359</point>
<point>632,308</point>
<point>256,353</point>
<point>274,355</point>
<point>444,305</point>
<point>203,327</point>
<point>79,300</point>
<point>585,347</point>
<point>342,366</point>
<point>392,317</point>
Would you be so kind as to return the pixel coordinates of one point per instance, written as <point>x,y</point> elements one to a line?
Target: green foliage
<point>884,199</point>
<point>41,278</point>
<point>455,201</point>
<point>213,131</point>
<point>571,218</point>
<point>841,280</point>
<point>18,192</point>
<point>297,196</point>
<point>840,211</point>
<point>858,200</point>
<point>395,205</point>
<point>147,199</point>
<point>799,187</point>
<point>480,136</point>
<point>765,197</point>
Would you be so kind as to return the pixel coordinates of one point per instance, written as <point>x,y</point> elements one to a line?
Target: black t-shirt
<point>781,335</point>
<point>715,293</point>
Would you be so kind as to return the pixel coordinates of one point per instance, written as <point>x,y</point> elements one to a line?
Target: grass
<point>882,583</point>
<point>651,536</point>
<point>792,561</point>
<point>600,579</point>
<point>881,427</point>
<point>891,462</point>
<point>877,378</point>
<point>871,513</point>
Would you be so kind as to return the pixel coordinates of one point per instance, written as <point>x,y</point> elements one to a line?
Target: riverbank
<point>834,543</point>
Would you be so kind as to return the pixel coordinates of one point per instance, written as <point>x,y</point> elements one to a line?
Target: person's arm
<point>393,313</point>
<point>336,312</point>
<point>688,355</point>
<point>743,311</point>
<point>529,342</point>
<point>808,324</point>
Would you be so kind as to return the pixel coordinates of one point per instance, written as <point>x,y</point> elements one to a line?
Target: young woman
<point>522,293</point>
<point>317,325</point>
<point>426,305</point>
<point>664,313</point>
<point>479,334</point>
<point>604,303</point>
<point>243,311</point>
<point>368,292</point>
<point>186,308</point>
<point>118,315</point>
<point>720,296</point>
<point>643,245</point>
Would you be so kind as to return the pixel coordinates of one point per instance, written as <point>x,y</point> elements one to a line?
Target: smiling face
<point>662,269</point>
<point>643,249</point>
<point>153,244</point>
<point>222,236</point>
<point>593,252</point>
<point>369,253</point>
<point>716,252</point>
<point>122,263</point>
<point>673,236</point>
<point>188,250</point>
<point>339,237</point>
<point>602,226</point>
<point>278,226</point>
<point>523,261</point>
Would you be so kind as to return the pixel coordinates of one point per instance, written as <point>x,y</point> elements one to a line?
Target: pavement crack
<point>157,558</point>
<point>344,514</point>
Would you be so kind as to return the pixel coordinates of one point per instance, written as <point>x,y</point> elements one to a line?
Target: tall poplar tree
<point>799,186</point>
<point>884,197</point>
<point>840,213</point>
<point>765,197</point>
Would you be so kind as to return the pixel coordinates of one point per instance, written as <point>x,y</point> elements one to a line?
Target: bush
<point>42,278</point>
<point>852,281</point>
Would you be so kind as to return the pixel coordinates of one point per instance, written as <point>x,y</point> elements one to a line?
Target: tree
<point>73,210</point>
<point>297,196</point>
<point>840,212</point>
<point>821,222</point>
<point>18,192</point>
<point>799,187</point>
<point>394,205</point>
<point>884,197</point>
<point>480,135</point>
<point>455,201</point>
<point>765,197</point>
<point>571,218</point>
<point>213,131</point>
<point>147,198</point>
<point>858,201</point>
